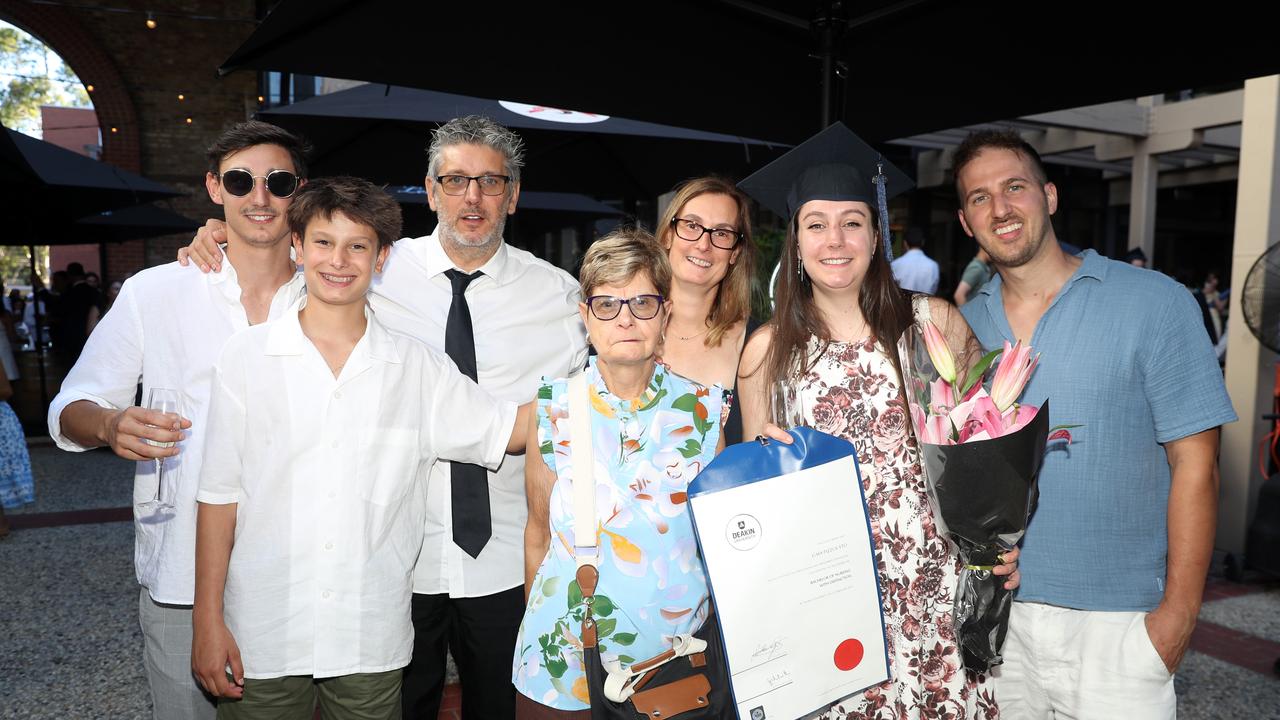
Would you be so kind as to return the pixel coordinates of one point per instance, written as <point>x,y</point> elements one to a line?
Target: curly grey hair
<point>477,130</point>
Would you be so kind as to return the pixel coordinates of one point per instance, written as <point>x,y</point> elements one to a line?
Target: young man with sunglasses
<point>166,330</point>
<point>507,318</point>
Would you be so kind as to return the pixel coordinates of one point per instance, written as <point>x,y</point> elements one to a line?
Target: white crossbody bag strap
<point>618,685</point>
<point>582,461</point>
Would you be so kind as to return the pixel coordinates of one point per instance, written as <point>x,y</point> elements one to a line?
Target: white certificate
<point>793,577</point>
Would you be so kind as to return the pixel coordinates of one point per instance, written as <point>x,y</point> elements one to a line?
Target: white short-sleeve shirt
<point>328,474</point>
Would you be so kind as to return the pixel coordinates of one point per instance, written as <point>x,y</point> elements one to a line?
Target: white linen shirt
<point>331,502</point>
<point>916,271</point>
<point>165,330</point>
<point>524,313</point>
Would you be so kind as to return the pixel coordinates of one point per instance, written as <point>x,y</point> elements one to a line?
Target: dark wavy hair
<point>255,132</point>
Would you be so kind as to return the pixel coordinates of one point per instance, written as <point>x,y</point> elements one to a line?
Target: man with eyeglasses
<point>506,318</point>
<point>166,330</point>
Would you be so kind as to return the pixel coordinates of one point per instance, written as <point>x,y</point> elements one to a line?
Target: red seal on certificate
<point>848,654</point>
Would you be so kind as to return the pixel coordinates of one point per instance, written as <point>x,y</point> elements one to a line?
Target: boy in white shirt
<point>322,429</point>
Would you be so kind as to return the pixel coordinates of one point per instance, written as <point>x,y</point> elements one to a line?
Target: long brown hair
<point>885,308</point>
<point>733,297</point>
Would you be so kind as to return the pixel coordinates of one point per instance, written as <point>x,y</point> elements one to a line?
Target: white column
<point>1142,193</point>
<point>1142,202</point>
<point>1251,368</point>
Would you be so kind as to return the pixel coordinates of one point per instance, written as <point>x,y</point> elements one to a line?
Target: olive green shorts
<point>363,696</point>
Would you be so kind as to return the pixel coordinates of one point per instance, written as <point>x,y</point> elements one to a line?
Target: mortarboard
<point>835,164</point>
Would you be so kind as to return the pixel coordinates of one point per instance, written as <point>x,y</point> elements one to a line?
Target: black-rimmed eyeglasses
<point>458,184</point>
<point>723,238</point>
<point>607,307</point>
<point>239,182</point>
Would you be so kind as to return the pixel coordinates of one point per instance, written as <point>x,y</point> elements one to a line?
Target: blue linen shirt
<point>1124,354</point>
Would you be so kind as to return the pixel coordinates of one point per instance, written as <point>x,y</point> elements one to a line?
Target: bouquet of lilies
<point>981,452</point>
<point>950,410</point>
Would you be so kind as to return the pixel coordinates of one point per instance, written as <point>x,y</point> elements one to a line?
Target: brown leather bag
<point>693,686</point>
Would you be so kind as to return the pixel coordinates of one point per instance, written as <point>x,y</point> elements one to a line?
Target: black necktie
<point>469,484</point>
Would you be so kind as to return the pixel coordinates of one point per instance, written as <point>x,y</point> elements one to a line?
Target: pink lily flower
<point>963,410</point>
<point>990,416</point>
<point>939,352</point>
<point>942,397</point>
<point>1017,417</point>
<point>932,429</point>
<point>1016,366</point>
<point>940,430</point>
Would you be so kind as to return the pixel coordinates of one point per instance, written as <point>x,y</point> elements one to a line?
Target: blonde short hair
<point>619,256</point>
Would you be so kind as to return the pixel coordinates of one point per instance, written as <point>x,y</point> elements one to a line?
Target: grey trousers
<point>166,635</point>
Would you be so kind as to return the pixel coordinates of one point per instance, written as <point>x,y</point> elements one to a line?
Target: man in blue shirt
<point>1114,559</point>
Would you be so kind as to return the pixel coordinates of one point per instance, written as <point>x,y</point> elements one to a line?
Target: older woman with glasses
<point>652,431</point>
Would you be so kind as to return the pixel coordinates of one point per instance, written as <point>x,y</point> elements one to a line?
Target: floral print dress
<point>651,584</point>
<point>852,391</point>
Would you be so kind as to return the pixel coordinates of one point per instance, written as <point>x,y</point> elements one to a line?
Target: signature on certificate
<point>768,650</point>
<point>778,679</point>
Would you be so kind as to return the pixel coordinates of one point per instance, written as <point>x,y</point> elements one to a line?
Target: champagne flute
<point>166,401</point>
<point>786,405</point>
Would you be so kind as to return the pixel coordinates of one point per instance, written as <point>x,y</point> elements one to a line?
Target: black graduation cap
<point>835,164</point>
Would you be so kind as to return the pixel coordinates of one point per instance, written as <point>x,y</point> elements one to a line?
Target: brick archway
<point>65,35</point>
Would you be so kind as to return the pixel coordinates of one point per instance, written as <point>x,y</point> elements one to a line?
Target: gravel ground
<point>70,646</point>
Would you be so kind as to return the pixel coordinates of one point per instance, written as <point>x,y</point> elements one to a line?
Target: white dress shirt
<point>916,271</point>
<point>329,476</point>
<point>524,312</point>
<point>165,330</point>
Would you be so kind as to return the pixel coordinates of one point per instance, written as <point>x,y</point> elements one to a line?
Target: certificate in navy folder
<point>786,539</point>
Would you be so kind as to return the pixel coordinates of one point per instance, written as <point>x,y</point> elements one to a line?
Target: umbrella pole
<point>35,300</point>
<point>828,23</point>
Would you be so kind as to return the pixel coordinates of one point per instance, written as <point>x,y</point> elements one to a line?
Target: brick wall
<point>136,76</point>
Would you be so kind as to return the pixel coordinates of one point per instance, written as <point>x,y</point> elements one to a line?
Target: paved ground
<point>70,645</point>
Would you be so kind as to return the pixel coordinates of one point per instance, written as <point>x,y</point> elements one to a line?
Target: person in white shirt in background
<point>165,331</point>
<point>914,270</point>
<point>312,495</point>
<point>524,313</point>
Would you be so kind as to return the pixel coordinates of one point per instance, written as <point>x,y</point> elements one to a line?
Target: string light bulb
<point>89,87</point>
<point>151,21</point>
<point>181,97</point>
<point>189,121</point>
<point>115,129</point>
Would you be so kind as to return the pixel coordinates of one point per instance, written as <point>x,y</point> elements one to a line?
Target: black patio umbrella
<point>768,68</point>
<point>540,212</point>
<point>134,223</point>
<point>47,189</point>
<point>48,185</point>
<point>530,200</point>
<point>381,132</point>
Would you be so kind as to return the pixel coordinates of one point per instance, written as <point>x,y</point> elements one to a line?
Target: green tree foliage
<point>31,75</point>
<point>769,242</point>
<point>15,264</point>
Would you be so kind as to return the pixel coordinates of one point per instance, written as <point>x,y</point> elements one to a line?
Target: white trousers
<point>1069,664</point>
